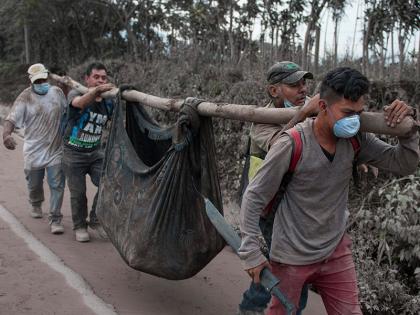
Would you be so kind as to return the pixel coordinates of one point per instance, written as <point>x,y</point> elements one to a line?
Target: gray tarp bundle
<point>150,201</point>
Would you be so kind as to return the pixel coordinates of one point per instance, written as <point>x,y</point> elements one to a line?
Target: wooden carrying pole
<point>370,121</point>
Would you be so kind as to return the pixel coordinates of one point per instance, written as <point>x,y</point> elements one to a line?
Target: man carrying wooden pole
<point>309,242</point>
<point>287,88</point>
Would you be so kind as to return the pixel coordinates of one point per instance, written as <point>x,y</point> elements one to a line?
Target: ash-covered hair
<point>344,82</point>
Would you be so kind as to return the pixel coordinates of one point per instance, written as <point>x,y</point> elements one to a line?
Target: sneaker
<point>57,228</point>
<point>36,212</point>
<point>82,235</point>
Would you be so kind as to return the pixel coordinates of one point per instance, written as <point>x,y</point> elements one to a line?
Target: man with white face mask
<point>309,240</point>
<point>38,109</point>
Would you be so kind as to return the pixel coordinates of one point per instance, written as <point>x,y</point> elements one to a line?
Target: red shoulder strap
<point>297,149</point>
<point>356,145</point>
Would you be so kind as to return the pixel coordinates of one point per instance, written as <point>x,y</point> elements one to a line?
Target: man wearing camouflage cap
<point>39,109</point>
<point>287,88</point>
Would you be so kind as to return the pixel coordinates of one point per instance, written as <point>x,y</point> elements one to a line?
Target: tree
<point>380,23</point>
<point>312,19</point>
<point>406,17</point>
<point>337,8</point>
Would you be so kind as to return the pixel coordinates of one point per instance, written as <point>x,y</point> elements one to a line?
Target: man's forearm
<point>401,159</point>
<point>8,128</point>
<point>8,140</point>
<point>85,99</point>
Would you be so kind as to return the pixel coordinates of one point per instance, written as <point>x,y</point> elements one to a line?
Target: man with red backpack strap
<point>286,88</point>
<point>309,241</point>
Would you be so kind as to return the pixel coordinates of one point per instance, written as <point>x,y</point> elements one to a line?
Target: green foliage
<point>387,247</point>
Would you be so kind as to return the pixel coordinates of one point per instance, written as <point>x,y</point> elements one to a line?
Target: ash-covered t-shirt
<point>84,127</point>
<point>40,116</point>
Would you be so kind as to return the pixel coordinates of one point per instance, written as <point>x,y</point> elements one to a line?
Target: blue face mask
<point>288,104</point>
<point>347,127</point>
<point>41,88</point>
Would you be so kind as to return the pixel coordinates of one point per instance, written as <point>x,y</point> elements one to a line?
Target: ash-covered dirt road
<point>44,274</point>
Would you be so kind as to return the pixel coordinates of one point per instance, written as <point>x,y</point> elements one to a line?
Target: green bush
<point>387,247</point>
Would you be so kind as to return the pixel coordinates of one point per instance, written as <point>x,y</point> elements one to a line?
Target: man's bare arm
<point>8,140</point>
<point>92,95</point>
<point>311,108</point>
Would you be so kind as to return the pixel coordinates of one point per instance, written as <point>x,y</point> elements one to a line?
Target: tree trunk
<point>231,43</point>
<point>26,35</point>
<point>310,54</point>
<point>82,32</point>
<point>325,37</point>
<point>132,41</point>
<point>306,44</point>
<point>401,45</point>
<point>314,17</point>
<point>272,43</point>
<point>318,38</point>
<point>335,41</point>
<point>355,29</point>
<point>382,60</point>
<point>366,34</point>
<point>277,43</point>
<point>392,47</point>
<point>262,36</point>
<point>418,62</point>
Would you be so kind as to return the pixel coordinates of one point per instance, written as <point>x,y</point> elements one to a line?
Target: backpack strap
<point>297,149</point>
<point>356,146</point>
<point>296,154</point>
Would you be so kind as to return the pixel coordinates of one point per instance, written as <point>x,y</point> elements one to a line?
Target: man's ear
<point>322,104</point>
<point>274,90</point>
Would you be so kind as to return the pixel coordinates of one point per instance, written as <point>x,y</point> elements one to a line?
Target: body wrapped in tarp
<point>150,199</point>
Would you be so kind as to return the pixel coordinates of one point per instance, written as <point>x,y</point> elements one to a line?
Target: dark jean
<point>76,166</point>
<point>55,180</point>
<point>256,298</point>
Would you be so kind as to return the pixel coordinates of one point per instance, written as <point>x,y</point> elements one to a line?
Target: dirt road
<point>43,274</point>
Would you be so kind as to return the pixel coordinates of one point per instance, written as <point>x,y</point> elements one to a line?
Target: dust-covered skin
<point>8,140</point>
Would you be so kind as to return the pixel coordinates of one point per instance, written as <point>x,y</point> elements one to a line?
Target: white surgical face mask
<point>345,127</point>
<point>288,104</point>
<point>41,88</point>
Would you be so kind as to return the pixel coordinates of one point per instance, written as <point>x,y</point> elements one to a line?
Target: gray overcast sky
<point>346,32</point>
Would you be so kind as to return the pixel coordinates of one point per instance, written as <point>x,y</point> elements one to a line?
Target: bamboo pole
<point>370,121</point>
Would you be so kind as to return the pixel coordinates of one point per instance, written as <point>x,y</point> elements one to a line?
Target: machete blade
<point>268,280</point>
<point>224,229</point>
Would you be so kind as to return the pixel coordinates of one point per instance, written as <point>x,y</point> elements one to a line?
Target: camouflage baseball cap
<point>286,72</point>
